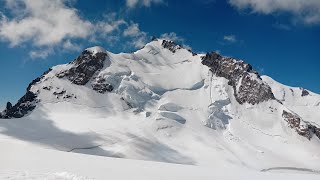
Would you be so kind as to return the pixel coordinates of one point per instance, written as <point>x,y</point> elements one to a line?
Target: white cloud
<point>109,27</point>
<point>306,11</point>
<point>44,22</point>
<point>133,30</point>
<point>53,25</point>
<point>69,46</point>
<point>110,24</point>
<point>139,38</point>
<point>147,3</point>
<point>41,54</point>
<point>230,38</point>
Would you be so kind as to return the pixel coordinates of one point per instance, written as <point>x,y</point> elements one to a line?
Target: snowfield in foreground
<point>162,112</point>
<point>23,161</point>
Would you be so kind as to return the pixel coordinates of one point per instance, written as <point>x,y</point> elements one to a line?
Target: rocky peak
<point>247,84</point>
<point>82,70</point>
<point>172,46</point>
<point>85,66</point>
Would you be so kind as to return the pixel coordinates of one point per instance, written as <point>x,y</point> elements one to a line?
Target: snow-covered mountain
<point>166,103</point>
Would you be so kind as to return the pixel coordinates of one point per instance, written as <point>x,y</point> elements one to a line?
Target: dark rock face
<point>172,46</point>
<point>304,92</point>
<point>85,66</point>
<point>59,93</point>
<point>25,104</point>
<point>8,106</point>
<point>247,84</point>
<point>3,114</point>
<point>102,86</point>
<point>303,128</point>
<point>48,88</point>
<point>63,94</point>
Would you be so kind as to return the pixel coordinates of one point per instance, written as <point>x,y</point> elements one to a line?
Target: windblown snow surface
<point>166,109</point>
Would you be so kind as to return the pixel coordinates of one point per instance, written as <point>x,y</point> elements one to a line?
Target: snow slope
<point>165,106</point>
<point>308,107</point>
<point>52,165</point>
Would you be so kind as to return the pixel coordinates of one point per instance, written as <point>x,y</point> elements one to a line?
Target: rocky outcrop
<point>102,86</point>
<point>247,84</point>
<point>25,104</point>
<point>304,92</point>
<point>303,128</point>
<point>63,94</point>
<point>172,46</point>
<point>84,67</point>
<point>8,106</point>
<point>7,109</point>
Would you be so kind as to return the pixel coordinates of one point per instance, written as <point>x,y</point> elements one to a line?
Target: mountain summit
<point>167,103</point>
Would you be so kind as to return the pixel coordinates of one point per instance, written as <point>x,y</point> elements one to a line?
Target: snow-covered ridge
<point>96,49</point>
<point>166,103</point>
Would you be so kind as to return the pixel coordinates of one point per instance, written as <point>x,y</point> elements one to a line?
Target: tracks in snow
<point>291,169</point>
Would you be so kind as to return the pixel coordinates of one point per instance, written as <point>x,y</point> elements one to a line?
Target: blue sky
<point>280,38</point>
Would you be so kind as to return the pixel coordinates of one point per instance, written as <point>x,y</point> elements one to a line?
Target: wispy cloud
<point>280,26</point>
<point>230,38</point>
<point>70,46</point>
<point>41,54</point>
<point>139,38</point>
<point>146,3</point>
<point>305,11</point>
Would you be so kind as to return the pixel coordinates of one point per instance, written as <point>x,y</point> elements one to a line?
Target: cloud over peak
<point>305,11</point>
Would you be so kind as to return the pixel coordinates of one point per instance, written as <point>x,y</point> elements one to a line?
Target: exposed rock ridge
<point>25,104</point>
<point>85,66</point>
<point>101,86</point>
<point>303,128</point>
<point>247,84</point>
<point>173,47</point>
<point>304,92</point>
